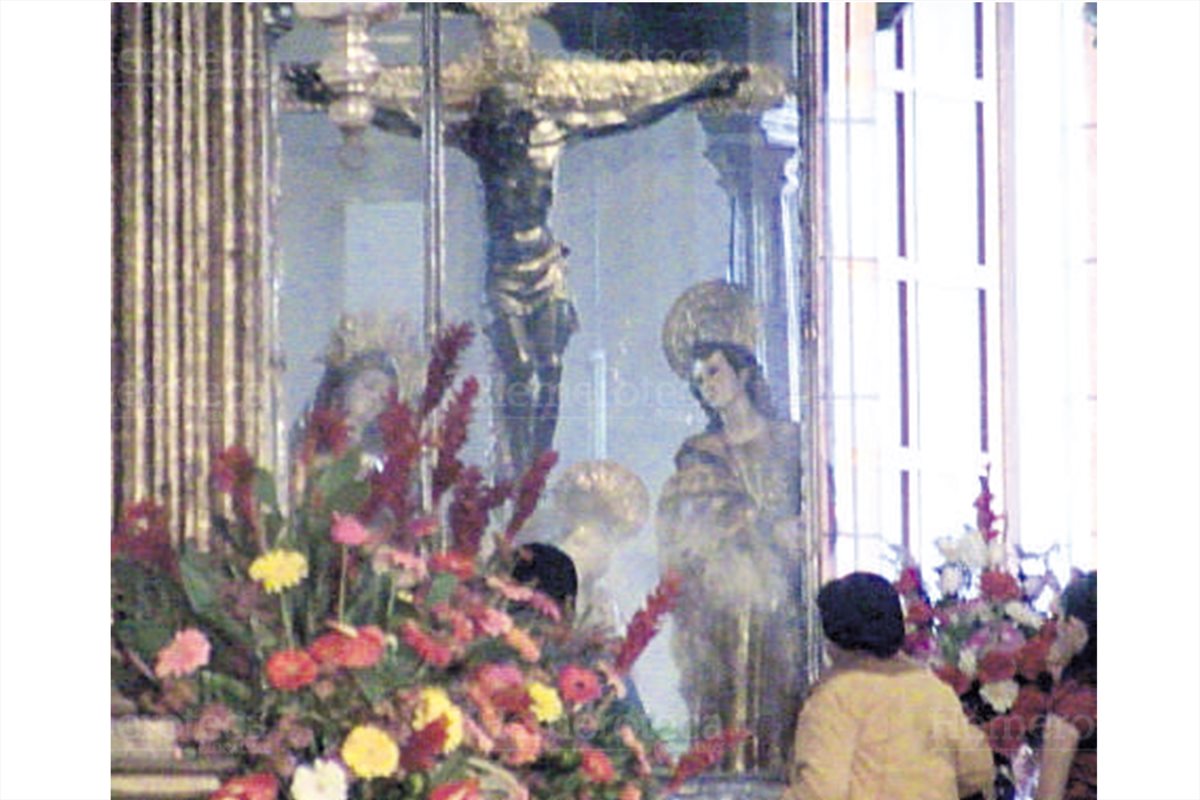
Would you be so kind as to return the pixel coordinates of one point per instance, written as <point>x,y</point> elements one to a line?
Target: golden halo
<point>715,311</point>
<point>605,492</point>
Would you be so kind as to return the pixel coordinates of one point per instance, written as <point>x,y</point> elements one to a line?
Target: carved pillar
<point>751,172</point>
<point>194,280</point>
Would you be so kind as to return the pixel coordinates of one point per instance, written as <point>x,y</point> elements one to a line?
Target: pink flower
<point>349,531</point>
<point>999,586</point>
<point>259,786</point>
<point>578,685</point>
<point>997,665</point>
<point>519,745</point>
<point>920,645</point>
<point>910,581</point>
<point>596,765</point>
<point>919,613</point>
<point>186,653</point>
<point>492,621</point>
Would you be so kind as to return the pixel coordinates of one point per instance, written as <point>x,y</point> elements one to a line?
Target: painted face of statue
<point>365,398</point>
<point>717,381</point>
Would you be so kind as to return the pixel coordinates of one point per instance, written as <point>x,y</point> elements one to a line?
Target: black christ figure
<point>515,133</point>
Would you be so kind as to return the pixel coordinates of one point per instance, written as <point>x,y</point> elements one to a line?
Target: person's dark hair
<point>741,359</point>
<point>861,611</point>
<point>1079,601</point>
<point>549,570</point>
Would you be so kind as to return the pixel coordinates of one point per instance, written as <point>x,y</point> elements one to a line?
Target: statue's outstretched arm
<point>645,105</point>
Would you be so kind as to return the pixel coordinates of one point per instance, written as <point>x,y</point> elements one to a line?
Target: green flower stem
<point>391,601</point>
<point>342,587</point>
<point>287,620</point>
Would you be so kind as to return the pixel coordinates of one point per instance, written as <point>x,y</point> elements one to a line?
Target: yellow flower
<point>370,752</point>
<point>547,706</point>
<point>432,705</point>
<point>279,570</point>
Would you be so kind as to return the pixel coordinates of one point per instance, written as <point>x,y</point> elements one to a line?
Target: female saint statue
<point>728,521</point>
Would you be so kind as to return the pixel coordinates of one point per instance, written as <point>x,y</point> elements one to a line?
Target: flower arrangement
<point>372,643</point>
<point>984,637</point>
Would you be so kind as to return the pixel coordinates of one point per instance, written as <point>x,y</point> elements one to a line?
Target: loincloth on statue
<point>523,288</point>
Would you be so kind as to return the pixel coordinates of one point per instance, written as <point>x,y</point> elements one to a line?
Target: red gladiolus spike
<point>467,515</point>
<point>452,437</point>
<point>422,748</point>
<point>645,623</point>
<point>443,363</point>
<point>704,755</point>
<point>529,491</point>
<point>326,431</point>
<point>143,536</point>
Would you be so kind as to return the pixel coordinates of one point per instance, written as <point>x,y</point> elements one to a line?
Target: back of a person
<point>909,734</point>
<point>879,726</point>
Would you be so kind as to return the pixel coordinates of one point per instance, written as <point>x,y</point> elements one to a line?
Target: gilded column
<point>193,275</point>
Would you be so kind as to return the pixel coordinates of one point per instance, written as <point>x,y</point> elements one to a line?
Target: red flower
<point>996,665</point>
<point>1030,704</point>
<point>704,755</point>
<point>452,437</point>
<point>443,363</point>
<point>919,613</point>
<point>955,677</point>
<point>459,790</point>
<point>143,536</point>
<point>326,432</point>
<point>909,581</point>
<point>596,766</point>
<point>1031,658</point>
<point>1005,734</point>
<point>578,685</point>
<point>338,649</point>
<point>232,469</point>
<point>999,586</point>
<point>423,747</point>
<point>645,623</point>
<point>920,644</point>
<point>528,492</point>
<point>259,786</point>
<point>458,564</point>
<point>423,527</point>
<point>290,670</point>
<point>427,648</point>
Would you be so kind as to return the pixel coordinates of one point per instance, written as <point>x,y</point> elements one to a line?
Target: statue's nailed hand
<point>725,82</point>
<point>308,84</point>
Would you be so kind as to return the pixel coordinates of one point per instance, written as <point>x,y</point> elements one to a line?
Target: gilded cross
<point>513,112</point>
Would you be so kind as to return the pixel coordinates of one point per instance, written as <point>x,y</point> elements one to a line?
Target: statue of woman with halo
<point>369,356</point>
<point>729,521</point>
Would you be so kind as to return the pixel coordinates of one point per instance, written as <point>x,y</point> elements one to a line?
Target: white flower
<point>1000,695</point>
<point>967,663</point>
<point>950,579</point>
<point>1022,614</point>
<point>973,550</point>
<point>322,780</point>
<point>996,555</point>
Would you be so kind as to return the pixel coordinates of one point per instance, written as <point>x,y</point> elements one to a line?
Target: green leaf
<point>348,498</point>
<point>340,473</point>
<point>228,689</point>
<point>201,579</point>
<point>144,636</point>
<point>264,488</point>
<point>441,589</point>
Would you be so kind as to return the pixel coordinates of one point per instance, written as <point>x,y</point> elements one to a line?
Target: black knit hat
<point>547,569</point>
<point>862,612</point>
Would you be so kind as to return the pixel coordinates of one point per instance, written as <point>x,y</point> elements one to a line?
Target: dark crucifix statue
<point>512,113</point>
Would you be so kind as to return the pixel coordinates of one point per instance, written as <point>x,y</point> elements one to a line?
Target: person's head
<point>861,613</point>
<point>723,372</point>
<point>1078,602</point>
<point>549,570</point>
